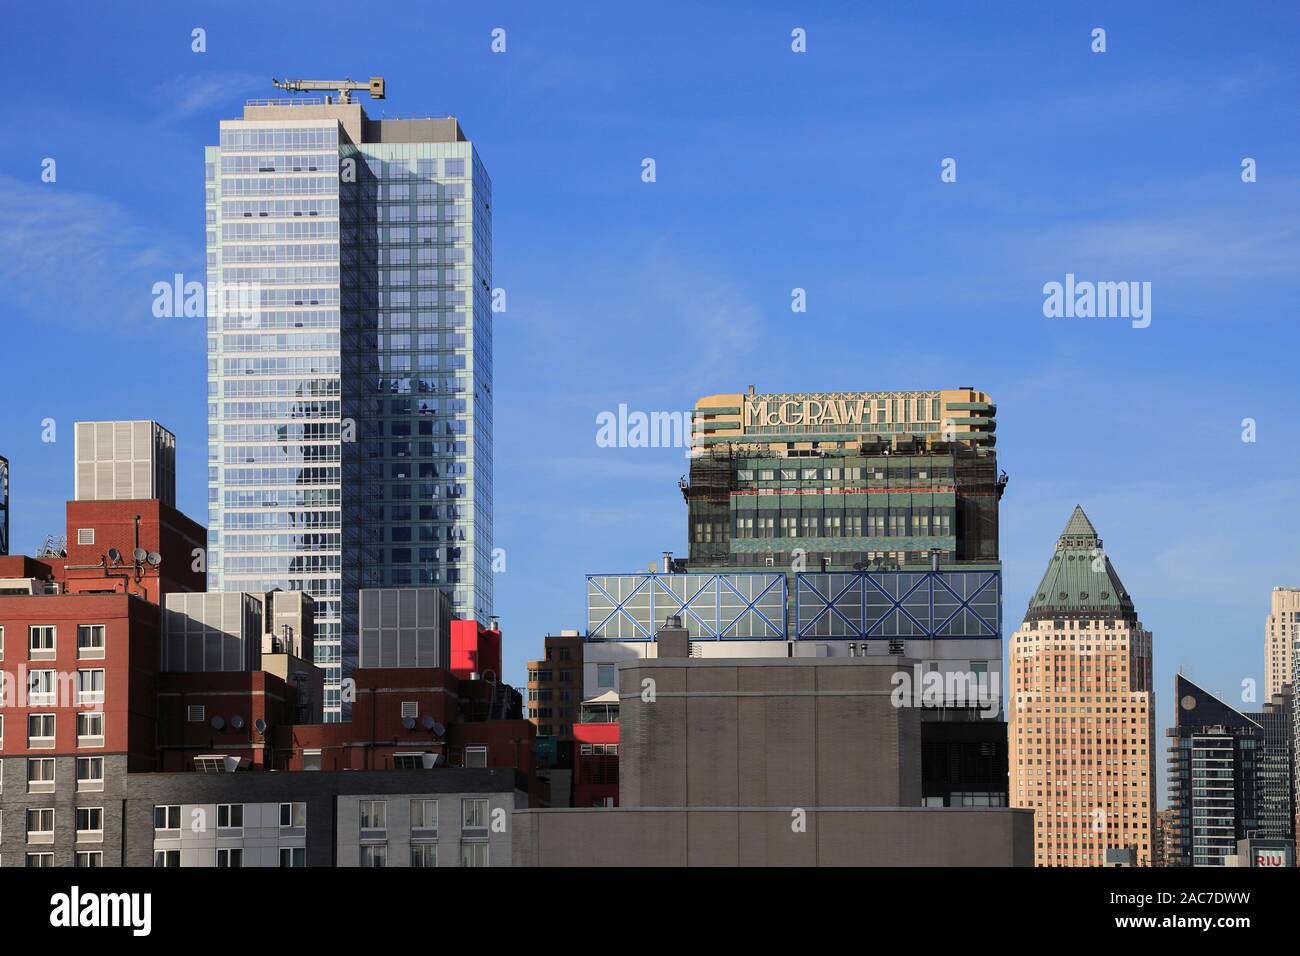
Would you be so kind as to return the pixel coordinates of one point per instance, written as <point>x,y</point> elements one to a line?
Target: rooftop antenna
<point>344,88</point>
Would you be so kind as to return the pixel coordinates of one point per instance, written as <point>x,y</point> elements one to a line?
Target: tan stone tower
<point>1280,632</point>
<point>1081,711</point>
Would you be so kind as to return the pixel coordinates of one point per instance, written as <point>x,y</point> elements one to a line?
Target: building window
<point>2,643</point>
<point>41,642</point>
<point>90,687</point>
<point>40,731</point>
<point>424,817</point>
<point>40,825</point>
<point>167,818</point>
<point>606,675</point>
<point>373,814</point>
<point>293,815</point>
<point>90,773</point>
<point>474,854</point>
<point>476,756</point>
<point>90,824</point>
<point>424,854</point>
<point>90,730</point>
<point>230,857</point>
<point>293,855</point>
<point>230,816</point>
<point>42,688</point>
<point>90,858</point>
<point>311,760</point>
<point>40,774</point>
<point>90,641</point>
<point>474,814</point>
<point>167,858</point>
<point>40,859</point>
<point>374,855</point>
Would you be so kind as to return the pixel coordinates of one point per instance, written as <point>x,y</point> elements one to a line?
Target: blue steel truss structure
<point>834,605</point>
<point>723,606</point>
<point>898,605</point>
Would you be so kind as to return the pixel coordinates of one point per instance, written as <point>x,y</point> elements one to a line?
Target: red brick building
<point>95,527</point>
<point>401,717</point>
<point>80,676</point>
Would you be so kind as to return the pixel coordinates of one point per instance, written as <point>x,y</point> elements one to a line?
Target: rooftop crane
<point>344,87</point>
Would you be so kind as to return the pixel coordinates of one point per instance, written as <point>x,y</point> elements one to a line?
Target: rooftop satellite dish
<point>438,729</point>
<point>218,722</point>
<point>154,558</point>
<point>428,722</point>
<point>408,723</point>
<point>237,722</point>
<point>139,554</point>
<point>115,555</point>
<point>260,724</point>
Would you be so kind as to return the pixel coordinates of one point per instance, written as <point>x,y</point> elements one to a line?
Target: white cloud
<point>77,256</point>
<point>186,96</point>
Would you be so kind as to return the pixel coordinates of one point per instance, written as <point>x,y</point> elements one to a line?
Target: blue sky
<point>775,170</point>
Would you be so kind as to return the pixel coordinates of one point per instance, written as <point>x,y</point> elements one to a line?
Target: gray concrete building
<point>799,761</point>
<point>445,817</point>
<point>753,836</point>
<point>799,732</point>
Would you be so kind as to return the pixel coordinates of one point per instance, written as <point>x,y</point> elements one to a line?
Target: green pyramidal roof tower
<point>1080,580</point>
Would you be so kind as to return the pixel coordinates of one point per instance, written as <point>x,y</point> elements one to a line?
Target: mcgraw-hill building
<point>845,524</point>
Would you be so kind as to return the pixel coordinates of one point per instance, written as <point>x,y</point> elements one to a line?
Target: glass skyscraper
<point>349,363</point>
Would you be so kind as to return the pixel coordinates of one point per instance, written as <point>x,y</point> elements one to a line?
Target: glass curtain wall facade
<point>350,408</point>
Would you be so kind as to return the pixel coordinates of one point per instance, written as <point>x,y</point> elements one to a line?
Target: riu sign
<point>1270,858</point>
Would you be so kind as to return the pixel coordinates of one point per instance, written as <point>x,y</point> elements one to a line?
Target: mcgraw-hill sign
<point>817,410</point>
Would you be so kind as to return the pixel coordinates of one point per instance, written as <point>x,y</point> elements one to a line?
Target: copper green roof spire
<point>1080,581</point>
<point>1079,526</point>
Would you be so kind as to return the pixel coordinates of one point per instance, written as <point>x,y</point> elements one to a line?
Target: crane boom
<point>344,88</point>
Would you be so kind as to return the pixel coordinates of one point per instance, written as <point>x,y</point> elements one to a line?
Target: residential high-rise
<point>555,687</point>
<point>1281,630</point>
<point>1230,775</point>
<point>1277,766</point>
<point>1161,842</point>
<point>349,363</point>
<point>1081,710</point>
